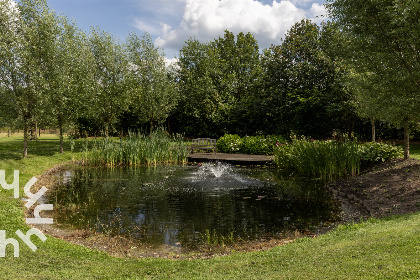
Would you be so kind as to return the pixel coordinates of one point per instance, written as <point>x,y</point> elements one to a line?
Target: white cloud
<point>146,26</point>
<point>170,61</point>
<point>317,11</point>
<point>207,19</point>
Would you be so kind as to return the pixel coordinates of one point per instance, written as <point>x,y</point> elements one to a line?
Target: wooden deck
<point>237,159</point>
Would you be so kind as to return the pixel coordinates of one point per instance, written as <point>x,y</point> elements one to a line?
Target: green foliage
<point>374,249</point>
<point>382,43</point>
<point>229,143</point>
<point>260,145</point>
<point>136,149</point>
<point>327,159</point>
<point>253,145</point>
<point>214,79</point>
<point>379,152</point>
<point>153,94</point>
<point>302,90</point>
<point>331,159</point>
<point>110,70</point>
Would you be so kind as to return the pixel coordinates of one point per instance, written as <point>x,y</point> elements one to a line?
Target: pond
<point>191,205</point>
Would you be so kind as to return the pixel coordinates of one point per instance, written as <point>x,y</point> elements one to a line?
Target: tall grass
<point>136,149</point>
<point>327,159</point>
<point>332,159</point>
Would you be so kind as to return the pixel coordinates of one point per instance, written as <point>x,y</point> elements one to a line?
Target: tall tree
<point>72,83</point>
<point>199,99</point>
<point>217,81</point>
<point>150,83</point>
<point>237,79</point>
<point>27,58</point>
<point>10,76</point>
<point>383,48</point>
<point>303,84</point>
<point>110,69</point>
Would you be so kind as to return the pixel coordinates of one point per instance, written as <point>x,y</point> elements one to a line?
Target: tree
<point>199,100</point>
<point>383,43</point>
<point>72,82</point>
<point>237,80</point>
<point>151,85</point>
<point>10,76</point>
<point>303,86</point>
<point>28,35</point>
<point>218,82</point>
<point>110,70</point>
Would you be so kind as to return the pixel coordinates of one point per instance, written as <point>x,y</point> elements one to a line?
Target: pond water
<point>188,205</point>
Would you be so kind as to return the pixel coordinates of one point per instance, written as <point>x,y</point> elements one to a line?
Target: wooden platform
<point>237,159</point>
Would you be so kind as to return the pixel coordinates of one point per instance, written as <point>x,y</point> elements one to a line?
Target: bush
<point>253,145</point>
<point>379,152</point>
<point>229,143</point>
<point>256,145</point>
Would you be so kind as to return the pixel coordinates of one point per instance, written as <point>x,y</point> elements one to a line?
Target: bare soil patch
<point>391,188</point>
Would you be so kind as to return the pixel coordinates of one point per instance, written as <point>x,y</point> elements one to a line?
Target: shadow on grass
<point>415,150</point>
<point>12,149</point>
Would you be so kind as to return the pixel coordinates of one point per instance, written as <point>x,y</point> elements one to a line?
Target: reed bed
<point>332,159</point>
<point>135,149</point>
<point>327,159</point>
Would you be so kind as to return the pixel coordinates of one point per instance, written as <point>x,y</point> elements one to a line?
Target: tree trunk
<point>8,132</point>
<point>372,121</point>
<point>25,140</point>
<point>151,126</point>
<point>406,140</point>
<point>61,138</point>
<point>36,130</point>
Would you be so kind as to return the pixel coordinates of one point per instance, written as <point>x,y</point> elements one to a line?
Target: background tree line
<point>54,74</point>
<point>319,80</point>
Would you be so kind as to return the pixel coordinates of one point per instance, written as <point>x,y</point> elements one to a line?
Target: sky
<point>172,22</point>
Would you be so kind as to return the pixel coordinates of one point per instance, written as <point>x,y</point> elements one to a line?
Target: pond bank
<point>388,189</point>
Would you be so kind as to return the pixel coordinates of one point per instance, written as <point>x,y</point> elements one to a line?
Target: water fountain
<point>182,204</point>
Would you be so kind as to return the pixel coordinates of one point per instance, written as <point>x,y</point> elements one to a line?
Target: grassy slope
<point>371,250</point>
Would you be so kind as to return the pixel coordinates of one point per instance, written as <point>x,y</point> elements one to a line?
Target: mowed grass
<point>374,249</point>
<point>415,150</point>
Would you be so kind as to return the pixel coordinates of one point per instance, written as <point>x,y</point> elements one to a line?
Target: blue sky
<point>172,22</point>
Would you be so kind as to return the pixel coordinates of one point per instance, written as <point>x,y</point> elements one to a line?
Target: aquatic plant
<point>331,159</point>
<point>136,149</point>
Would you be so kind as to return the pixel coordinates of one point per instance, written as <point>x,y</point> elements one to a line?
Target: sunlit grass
<point>375,249</point>
<point>135,149</point>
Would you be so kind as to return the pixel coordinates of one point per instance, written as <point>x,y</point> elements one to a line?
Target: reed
<point>327,159</point>
<point>136,149</point>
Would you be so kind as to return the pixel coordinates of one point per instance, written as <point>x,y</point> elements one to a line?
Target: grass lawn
<point>375,249</point>
<point>415,150</point>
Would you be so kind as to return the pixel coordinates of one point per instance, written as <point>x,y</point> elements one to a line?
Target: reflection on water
<point>181,205</point>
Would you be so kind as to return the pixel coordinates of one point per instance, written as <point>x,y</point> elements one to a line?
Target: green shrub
<point>253,145</point>
<point>379,152</point>
<point>229,143</point>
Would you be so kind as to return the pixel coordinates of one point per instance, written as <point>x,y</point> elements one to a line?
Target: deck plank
<point>241,159</point>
